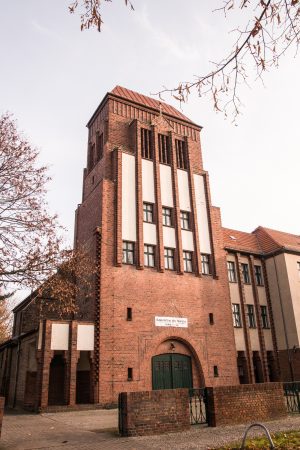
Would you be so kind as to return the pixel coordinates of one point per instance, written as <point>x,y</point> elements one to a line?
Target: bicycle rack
<point>272,446</point>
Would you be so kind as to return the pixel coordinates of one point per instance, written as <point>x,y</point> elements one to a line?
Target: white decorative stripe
<point>148,181</point>
<point>128,198</point>
<point>187,240</point>
<point>202,217</point>
<point>169,237</point>
<point>166,185</point>
<point>183,190</point>
<point>149,233</point>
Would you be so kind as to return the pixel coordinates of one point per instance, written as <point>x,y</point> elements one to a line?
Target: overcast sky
<point>53,77</point>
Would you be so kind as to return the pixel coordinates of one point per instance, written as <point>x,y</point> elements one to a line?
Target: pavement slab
<point>97,429</point>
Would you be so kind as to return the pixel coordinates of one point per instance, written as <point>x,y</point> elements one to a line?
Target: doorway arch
<point>171,371</point>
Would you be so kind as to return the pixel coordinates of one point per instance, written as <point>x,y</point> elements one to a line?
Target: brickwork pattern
<point>245,403</point>
<point>155,412</point>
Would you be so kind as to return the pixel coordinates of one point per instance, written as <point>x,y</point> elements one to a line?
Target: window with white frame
<point>167,216</point>
<point>149,255</point>
<point>187,261</point>
<point>205,264</point>
<point>148,212</point>
<point>231,271</point>
<point>128,252</point>
<point>236,314</point>
<point>251,316</point>
<point>169,258</point>
<point>185,220</point>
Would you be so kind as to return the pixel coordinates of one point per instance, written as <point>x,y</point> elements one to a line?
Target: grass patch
<point>289,440</point>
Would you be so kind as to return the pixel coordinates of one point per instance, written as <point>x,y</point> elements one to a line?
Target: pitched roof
<point>262,240</point>
<point>150,103</point>
<point>240,240</point>
<point>271,240</point>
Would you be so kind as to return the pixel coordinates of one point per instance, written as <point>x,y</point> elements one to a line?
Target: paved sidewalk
<point>96,429</point>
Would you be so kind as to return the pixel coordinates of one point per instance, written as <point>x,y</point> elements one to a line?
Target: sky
<point>53,76</point>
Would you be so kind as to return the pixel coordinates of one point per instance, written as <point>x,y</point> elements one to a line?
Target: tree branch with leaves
<point>273,28</point>
<point>32,254</point>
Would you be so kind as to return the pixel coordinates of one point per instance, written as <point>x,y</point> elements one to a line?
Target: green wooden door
<point>171,371</point>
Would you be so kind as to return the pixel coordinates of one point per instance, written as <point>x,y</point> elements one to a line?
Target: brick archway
<point>178,341</point>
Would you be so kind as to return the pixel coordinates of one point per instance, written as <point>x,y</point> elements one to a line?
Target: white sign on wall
<point>177,322</point>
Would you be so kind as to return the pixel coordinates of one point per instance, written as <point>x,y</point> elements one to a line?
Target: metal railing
<point>197,401</point>
<point>292,396</point>
<point>272,446</point>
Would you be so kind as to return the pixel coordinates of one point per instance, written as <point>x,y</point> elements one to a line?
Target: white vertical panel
<point>60,336</point>
<point>183,190</point>
<point>149,231</point>
<point>148,181</point>
<point>169,237</point>
<point>128,198</point>
<point>202,218</point>
<point>187,240</point>
<point>166,185</point>
<point>85,337</point>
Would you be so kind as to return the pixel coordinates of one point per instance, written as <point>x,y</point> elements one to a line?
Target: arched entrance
<point>171,371</point>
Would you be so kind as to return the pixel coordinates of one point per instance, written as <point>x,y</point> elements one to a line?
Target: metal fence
<point>292,396</point>
<point>197,399</point>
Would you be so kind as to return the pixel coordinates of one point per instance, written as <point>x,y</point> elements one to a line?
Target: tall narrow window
<point>99,145</point>
<point>185,220</point>
<point>129,314</point>
<point>246,274</point>
<point>251,316</point>
<point>146,144</point>
<point>231,271</point>
<point>205,264</point>
<point>130,374</point>
<point>169,258</point>
<point>128,252</point>
<point>164,149</point>
<point>167,217</point>
<point>91,156</point>
<point>264,317</point>
<point>236,313</point>
<point>258,275</point>
<point>148,212</point>
<point>187,261</point>
<point>149,255</point>
<point>181,155</point>
<point>298,268</point>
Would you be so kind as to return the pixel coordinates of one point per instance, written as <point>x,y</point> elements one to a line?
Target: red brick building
<point>161,307</point>
<point>162,310</point>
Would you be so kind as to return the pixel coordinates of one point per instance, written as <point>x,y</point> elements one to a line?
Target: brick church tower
<point>161,304</point>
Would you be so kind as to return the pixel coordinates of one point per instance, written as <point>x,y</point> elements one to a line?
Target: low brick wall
<point>230,405</point>
<point>2,402</point>
<point>153,412</point>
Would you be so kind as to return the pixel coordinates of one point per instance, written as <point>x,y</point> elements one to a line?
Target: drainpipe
<point>284,323</point>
